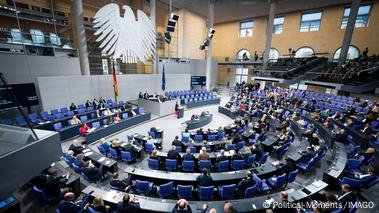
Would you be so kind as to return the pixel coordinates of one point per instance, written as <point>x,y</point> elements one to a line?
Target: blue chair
<point>86,177</point>
<point>264,158</point>
<point>153,164</point>
<point>278,182</point>
<point>250,161</point>
<point>76,167</point>
<point>171,165</point>
<point>34,118</point>
<point>81,110</point>
<point>178,149</point>
<point>70,113</point>
<point>64,110</point>
<point>41,196</point>
<point>282,153</point>
<point>144,187</point>
<point>349,139</point>
<point>127,157</point>
<point>237,164</point>
<point>353,165</point>
<point>198,138</point>
<point>151,134</point>
<point>96,124</point>
<point>220,135</point>
<point>84,118</point>
<point>57,211</point>
<point>250,192</point>
<point>240,145</point>
<point>149,147</point>
<point>113,153</point>
<point>184,191</point>
<point>192,148</point>
<point>188,166</point>
<point>222,166</point>
<point>212,137</point>
<point>21,121</point>
<point>292,176</point>
<point>230,147</point>
<point>206,192</point>
<point>304,167</point>
<point>227,191</point>
<point>165,190</point>
<point>59,116</point>
<point>91,210</point>
<point>185,138</point>
<point>57,126</point>
<point>102,150</point>
<point>205,164</point>
<point>353,151</point>
<point>355,184</point>
<point>262,185</point>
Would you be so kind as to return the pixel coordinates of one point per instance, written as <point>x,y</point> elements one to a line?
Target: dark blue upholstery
<point>144,187</point>
<point>165,190</point>
<point>205,164</point>
<point>188,166</point>
<point>153,164</point>
<point>184,191</point>
<point>222,166</point>
<point>171,165</point>
<point>227,191</point>
<point>206,192</point>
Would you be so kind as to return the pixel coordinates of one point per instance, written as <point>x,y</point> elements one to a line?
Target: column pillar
<point>209,52</point>
<point>77,14</point>
<point>349,31</point>
<point>153,16</point>
<point>269,29</point>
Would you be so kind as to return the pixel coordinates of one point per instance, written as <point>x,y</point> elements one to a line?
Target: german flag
<point>114,82</point>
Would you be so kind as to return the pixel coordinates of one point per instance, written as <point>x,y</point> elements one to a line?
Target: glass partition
<point>15,129</point>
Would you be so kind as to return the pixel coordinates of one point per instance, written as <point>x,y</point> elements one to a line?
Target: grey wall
<point>194,67</point>
<point>25,68</point>
<point>56,92</point>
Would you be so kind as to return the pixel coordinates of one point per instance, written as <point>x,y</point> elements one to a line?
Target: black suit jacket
<point>177,210</point>
<point>76,149</point>
<point>130,148</point>
<point>188,157</point>
<point>68,207</point>
<point>127,208</point>
<point>204,180</point>
<point>345,199</point>
<point>172,154</point>
<point>244,184</point>
<point>221,158</point>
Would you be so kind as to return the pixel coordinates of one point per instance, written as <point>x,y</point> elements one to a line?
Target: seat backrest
<point>171,164</point>
<point>57,126</point>
<point>188,165</point>
<point>264,158</point>
<point>250,160</point>
<point>142,186</point>
<point>280,181</point>
<point>41,196</point>
<point>204,164</point>
<point>125,115</point>
<point>126,156</point>
<point>206,192</point>
<point>84,118</point>
<point>212,137</point>
<point>113,152</point>
<point>198,138</point>
<point>96,124</point>
<point>250,192</point>
<point>222,165</point>
<point>91,210</point>
<point>355,184</point>
<point>184,191</point>
<point>153,164</point>
<point>292,176</point>
<point>237,164</point>
<point>240,145</point>
<point>228,190</point>
<point>230,147</point>
<point>166,189</point>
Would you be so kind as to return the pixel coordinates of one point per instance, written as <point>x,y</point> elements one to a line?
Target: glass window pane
<point>278,29</point>
<point>244,71</point>
<point>311,16</point>
<point>363,10</point>
<point>346,12</point>
<point>314,26</point>
<point>279,20</point>
<point>238,71</point>
<point>237,79</point>
<point>344,23</point>
<point>244,78</point>
<point>304,27</point>
<point>247,24</point>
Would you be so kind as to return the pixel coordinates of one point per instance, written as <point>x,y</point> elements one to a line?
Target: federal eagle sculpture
<point>125,37</point>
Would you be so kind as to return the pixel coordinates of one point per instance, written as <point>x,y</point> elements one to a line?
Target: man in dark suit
<point>347,199</point>
<point>130,148</point>
<point>237,155</point>
<point>188,156</point>
<point>53,181</point>
<point>204,179</point>
<point>199,131</point>
<point>307,155</point>
<point>173,154</point>
<point>177,142</point>
<point>70,156</point>
<point>128,205</point>
<point>76,147</point>
<point>257,151</point>
<point>67,205</point>
<point>285,166</point>
<point>93,173</point>
<point>222,156</point>
<point>245,183</point>
<point>122,185</point>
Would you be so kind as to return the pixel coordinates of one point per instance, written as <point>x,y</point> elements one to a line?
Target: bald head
<point>182,204</point>
<point>213,210</point>
<point>69,196</point>
<point>228,208</point>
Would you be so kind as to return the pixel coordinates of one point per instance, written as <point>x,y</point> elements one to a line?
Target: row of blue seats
<point>190,100</point>
<point>221,166</point>
<point>185,92</point>
<point>206,193</point>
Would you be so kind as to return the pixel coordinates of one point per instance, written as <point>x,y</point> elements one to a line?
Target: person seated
<point>74,108</point>
<point>52,185</point>
<point>221,156</point>
<point>95,103</point>
<point>98,205</point>
<point>173,154</point>
<point>151,141</point>
<point>339,134</point>
<point>309,131</point>
<point>228,208</point>
<point>75,120</point>
<point>76,147</point>
<point>285,167</point>
<point>245,183</point>
<point>140,95</point>
<point>204,179</point>
<point>186,134</point>
<point>307,155</point>
<point>367,155</point>
<point>366,177</point>
<point>79,161</point>
<point>115,146</point>
<point>88,104</point>
<point>237,155</point>
<point>182,206</point>
<point>314,139</point>
<point>347,198</point>
<point>129,147</point>
<point>128,205</point>
<point>122,185</point>
<point>203,155</point>
<point>104,144</point>
<point>70,156</point>
<point>116,118</point>
<point>154,156</point>
<point>257,151</point>
<point>177,142</point>
<point>85,129</point>
<point>195,117</point>
<point>67,205</point>
<point>188,156</point>
<point>92,172</point>
<point>200,131</point>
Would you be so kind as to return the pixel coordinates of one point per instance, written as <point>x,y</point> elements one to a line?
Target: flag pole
<point>115,88</point>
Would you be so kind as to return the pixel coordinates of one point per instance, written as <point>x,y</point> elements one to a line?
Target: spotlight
<point>167,37</point>
<point>211,32</point>
<point>204,44</point>
<point>174,17</point>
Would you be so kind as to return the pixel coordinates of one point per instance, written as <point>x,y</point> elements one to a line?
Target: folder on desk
<point>101,159</point>
<point>88,154</point>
